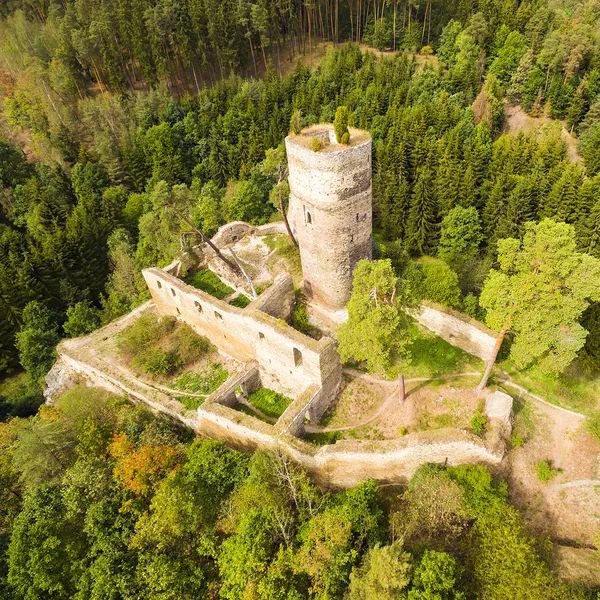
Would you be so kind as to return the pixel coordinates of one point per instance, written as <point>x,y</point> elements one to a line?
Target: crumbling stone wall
<point>330,210</point>
<point>289,361</point>
<point>457,329</point>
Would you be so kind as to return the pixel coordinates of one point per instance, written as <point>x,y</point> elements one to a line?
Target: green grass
<point>323,438</point>
<point>202,383</point>
<point>248,411</point>
<point>190,402</point>
<point>240,301</point>
<point>161,346</point>
<point>431,356</point>
<point>269,402</point>
<point>208,282</point>
<point>574,389</point>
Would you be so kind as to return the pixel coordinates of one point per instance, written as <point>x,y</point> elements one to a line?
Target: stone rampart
<point>340,465</point>
<point>330,210</point>
<point>289,361</point>
<point>457,329</point>
<point>277,300</point>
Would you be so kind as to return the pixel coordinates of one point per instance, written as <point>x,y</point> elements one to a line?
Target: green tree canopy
<point>377,327</point>
<point>540,290</point>
<point>37,340</point>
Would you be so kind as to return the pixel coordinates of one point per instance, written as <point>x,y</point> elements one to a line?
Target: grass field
<point>208,282</point>
<point>269,402</point>
<point>574,389</point>
<point>431,356</point>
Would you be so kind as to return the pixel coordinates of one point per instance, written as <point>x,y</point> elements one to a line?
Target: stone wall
<point>340,465</point>
<point>457,329</point>
<point>330,211</point>
<point>289,361</point>
<point>277,300</point>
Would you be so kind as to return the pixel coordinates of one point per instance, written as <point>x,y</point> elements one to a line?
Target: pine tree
<point>563,201</point>
<point>422,218</point>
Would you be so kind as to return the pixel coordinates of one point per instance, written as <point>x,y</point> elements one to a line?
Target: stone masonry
<point>330,210</point>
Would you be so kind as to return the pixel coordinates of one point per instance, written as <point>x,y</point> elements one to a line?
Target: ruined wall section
<point>457,329</point>
<point>330,211</point>
<point>289,361</point>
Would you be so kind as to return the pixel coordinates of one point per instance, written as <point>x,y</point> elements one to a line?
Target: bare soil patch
<point>370,409</point>
<point>571,514</point>
<point>516,120</point>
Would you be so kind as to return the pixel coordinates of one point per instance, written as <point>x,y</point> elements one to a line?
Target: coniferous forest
<point>111,112</point>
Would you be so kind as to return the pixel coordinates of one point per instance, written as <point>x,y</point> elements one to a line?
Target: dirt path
<point>389,401</point>
<point>572,484</point>
<point>253,408</point>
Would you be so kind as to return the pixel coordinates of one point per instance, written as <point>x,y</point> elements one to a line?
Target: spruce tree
<point>422,218</point>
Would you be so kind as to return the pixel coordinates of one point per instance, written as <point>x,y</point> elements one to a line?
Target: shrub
<point>188,345</point>
<point>300,316</point>
<point>316,144</point>
<point>403,431</point>
<point>144,332</point>
<point>158,362</point>
<point>516,439</point>
<point>545,471</point>
<point>340,123</point>
<point>478,422</point>
<point>345,138</point>
<point>296,122</point>
<point>434,280</point>
<point>240,301</point>
<point>82,318</point>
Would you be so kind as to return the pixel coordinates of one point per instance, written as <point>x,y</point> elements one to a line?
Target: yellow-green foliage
<point>161,346</point>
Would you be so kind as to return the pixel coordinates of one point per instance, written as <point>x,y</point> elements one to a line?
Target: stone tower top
<point>330,209</point>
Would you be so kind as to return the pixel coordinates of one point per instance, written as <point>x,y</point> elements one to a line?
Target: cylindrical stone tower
<point>330,210</point>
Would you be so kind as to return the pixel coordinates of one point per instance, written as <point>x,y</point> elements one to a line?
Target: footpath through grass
<point>574,389</point>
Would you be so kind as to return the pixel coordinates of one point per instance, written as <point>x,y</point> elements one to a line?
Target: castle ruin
<point>330,214</point>
<point>330,210</point>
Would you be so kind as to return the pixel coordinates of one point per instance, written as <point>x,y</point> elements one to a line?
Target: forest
<point>106,501</point>
<point>111,113</point>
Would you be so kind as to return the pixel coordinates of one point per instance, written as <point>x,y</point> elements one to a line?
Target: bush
<point>345,138</point>
<point>161,346</point>
<point>316,144</point>
<point>300,316</point>
<point>158,362</point>
<point>296,122</point>
<point>82,318</point>
<point>340,123</point>
<point>188,345</point>
<point>545,471</point>
<point>478,422</point>
<point>240,301</point>
<point>144,332</point>
<point>516,439</point>
<point>434,280</point>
